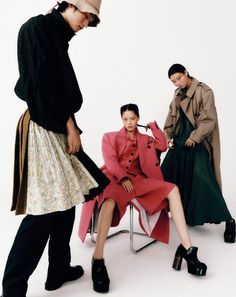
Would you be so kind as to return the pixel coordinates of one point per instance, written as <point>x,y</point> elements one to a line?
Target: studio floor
<point>147,273</point>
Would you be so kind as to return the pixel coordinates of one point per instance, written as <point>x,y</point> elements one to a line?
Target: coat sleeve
<point>111,159</point>
<point>169,124</point>
<point>207,117</point>
<point>160,140</point>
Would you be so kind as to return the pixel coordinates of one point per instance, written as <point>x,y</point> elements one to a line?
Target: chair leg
<point>132,232</point>
<point>93,224</point>
<point>93,227</point>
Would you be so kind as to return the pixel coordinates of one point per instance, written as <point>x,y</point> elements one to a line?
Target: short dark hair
<point>130,107</point>
<point>62,6</point>
<point>176,68</point>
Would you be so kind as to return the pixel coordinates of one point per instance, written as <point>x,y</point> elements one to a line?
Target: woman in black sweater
<point>52,174</point>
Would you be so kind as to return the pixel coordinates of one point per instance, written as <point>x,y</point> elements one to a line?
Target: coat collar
<point>191,90</point>
<point>142,144</point>
<point>123,133</point>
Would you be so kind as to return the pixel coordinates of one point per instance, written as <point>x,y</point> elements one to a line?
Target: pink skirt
<point>149,199</point>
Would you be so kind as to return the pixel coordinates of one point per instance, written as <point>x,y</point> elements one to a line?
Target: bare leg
<point>104,223</point>
<point>177,213</point>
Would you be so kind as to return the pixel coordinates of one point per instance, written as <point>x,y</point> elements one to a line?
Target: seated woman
<point>132,166</point>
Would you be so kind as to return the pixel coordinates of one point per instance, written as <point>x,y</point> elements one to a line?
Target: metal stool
<point>130,231</point>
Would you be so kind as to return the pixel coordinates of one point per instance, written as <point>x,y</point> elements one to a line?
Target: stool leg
<point>93,227</point>
<point>93,224</point>
<point>132,232</point>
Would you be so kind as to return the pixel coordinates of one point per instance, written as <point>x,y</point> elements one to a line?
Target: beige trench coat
<point>199,107</point>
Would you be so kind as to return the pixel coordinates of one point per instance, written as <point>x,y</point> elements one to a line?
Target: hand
<point>73,137</point>
<point>147,126</point>
<point>127,185</point>
<point>190,143</point>
<point>170,144</point>
<point>74,142</point>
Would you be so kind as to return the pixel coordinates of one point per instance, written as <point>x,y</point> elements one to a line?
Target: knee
<point>176,189</point>
<point>109,203</point>
<point>174,192</point>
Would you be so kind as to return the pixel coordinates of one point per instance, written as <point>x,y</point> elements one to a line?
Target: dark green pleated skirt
<point>191,170</point>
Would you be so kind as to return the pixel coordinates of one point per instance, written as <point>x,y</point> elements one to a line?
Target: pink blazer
<point>113,144</point>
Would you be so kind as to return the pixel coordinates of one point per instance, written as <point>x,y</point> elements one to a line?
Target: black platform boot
<point>69,274</point>
<point>229,234</point>
<point>100,276</point>
<point>194,265</point>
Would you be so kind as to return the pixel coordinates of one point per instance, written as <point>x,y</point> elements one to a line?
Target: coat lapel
<point>142,144</point>
<point>121,141</point>
<point>185,103</point>
<point>142,147</point>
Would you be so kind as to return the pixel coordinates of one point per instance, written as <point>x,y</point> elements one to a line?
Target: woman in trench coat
<point>132,165</point>
<point>193,160</point>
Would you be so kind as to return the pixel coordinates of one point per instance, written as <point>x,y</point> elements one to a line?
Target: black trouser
<point>28,247</point>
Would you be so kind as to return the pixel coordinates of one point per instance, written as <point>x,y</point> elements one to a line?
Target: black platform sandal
<point>195,267</point>
<point>100,276</point>
<point>229,234</point>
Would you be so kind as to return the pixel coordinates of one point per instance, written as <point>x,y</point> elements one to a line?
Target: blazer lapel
<point>142,147</point>
<point>121,141</point>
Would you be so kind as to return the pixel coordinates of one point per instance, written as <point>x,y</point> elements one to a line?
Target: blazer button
<point>157,164</point>
<point>133,145</point>
<point>132,154</point>
<point>149,146</point>
<point>127,167</point>
<point>130,161</point>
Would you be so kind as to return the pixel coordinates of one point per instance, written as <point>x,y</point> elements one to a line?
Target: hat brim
<point>85,6</point>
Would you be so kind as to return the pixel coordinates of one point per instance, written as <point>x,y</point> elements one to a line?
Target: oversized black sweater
<point>47,80</point>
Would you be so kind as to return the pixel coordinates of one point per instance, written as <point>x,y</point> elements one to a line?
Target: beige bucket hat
<point>90,6</point>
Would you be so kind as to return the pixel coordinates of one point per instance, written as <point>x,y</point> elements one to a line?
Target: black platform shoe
<point>229,234</point>
<point>70,274</point>
<point>100,276</point>
<point>194,265</point>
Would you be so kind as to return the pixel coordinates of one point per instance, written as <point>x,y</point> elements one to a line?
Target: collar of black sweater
<point>65,30</point>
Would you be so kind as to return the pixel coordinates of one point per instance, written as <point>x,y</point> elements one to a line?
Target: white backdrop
<point>124,60</point>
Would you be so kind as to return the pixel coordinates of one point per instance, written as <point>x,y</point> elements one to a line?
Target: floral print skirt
<point>56,180</point>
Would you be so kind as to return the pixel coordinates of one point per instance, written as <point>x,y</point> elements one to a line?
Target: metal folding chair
<point>130,231</point>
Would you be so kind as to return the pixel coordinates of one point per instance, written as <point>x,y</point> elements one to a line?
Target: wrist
<point>70,125</point>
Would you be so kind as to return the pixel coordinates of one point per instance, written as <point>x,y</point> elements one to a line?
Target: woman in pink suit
<point>132,166</point>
